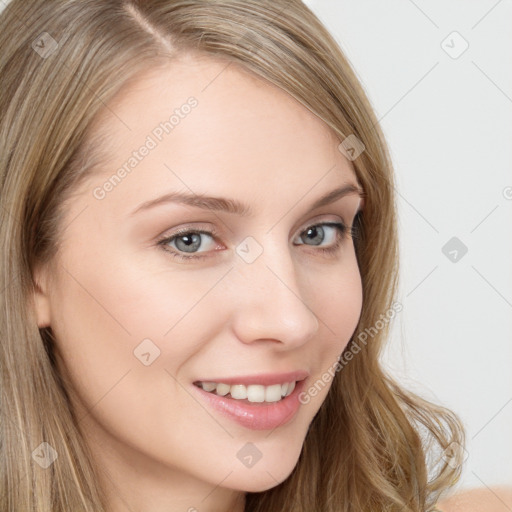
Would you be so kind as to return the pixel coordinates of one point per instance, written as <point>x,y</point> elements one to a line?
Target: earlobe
<point>41,301</point>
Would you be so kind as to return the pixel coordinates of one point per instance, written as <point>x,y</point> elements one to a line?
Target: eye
<point>189,240</point>
<point>332,232</point>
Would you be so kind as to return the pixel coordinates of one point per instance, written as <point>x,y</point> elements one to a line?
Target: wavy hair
<point>372,446</point>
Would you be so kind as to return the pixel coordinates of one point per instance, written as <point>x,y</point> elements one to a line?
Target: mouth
<point>253,393</point>
<point>262,388</point>
<point>253,404</point>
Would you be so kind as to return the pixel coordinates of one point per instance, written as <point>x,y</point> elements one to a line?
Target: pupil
<point>318,230</point>
<point>192,242</point>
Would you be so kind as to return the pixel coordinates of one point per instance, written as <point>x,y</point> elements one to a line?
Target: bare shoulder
<point>483,499</point>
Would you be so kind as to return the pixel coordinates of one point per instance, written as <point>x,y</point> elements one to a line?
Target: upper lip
<point>265,379</point>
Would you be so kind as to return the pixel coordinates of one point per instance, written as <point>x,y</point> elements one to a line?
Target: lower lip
<point>261,415</point>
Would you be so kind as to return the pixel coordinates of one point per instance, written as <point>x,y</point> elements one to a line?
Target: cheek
<point>112,313</point>
<point>102,310</point>
<point>338,300</point>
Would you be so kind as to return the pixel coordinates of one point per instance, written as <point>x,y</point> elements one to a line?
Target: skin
<point>485,499</point>
<point>292,308</point>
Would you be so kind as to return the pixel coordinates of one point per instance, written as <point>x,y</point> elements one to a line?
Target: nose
<point>272,301</point>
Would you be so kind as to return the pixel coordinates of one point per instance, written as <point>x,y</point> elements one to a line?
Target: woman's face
<point>241,297</point>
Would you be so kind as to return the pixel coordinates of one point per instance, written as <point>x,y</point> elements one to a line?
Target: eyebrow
<point>234,206</point>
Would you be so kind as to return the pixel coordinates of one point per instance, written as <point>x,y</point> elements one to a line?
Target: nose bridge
<point>273,305</point>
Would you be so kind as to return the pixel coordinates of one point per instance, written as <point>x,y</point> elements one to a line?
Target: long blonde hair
<point>372,446</point>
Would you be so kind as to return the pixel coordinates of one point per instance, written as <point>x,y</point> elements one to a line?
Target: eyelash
<point>343,232</point>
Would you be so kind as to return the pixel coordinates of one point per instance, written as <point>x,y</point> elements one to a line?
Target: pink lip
<point>265,379</point>
<point>257,416</point>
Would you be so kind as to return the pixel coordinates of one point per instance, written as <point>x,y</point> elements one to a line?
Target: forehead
<point>243,135</point>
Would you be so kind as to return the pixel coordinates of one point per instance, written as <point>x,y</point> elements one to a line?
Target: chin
<point>260,479</point>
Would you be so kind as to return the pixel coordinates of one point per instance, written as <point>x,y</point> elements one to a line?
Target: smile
<point>251,393</point>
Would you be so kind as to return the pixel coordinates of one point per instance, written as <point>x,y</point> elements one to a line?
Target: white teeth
<point>223,389</point>
<point>239,392</point>
<point>209,386</point>
<point>273,393</point>
<point>253,392</point>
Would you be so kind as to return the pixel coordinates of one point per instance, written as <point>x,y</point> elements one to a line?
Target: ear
<point>41,298</point>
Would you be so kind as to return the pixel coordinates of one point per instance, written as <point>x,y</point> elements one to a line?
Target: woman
<point>199,268</point>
